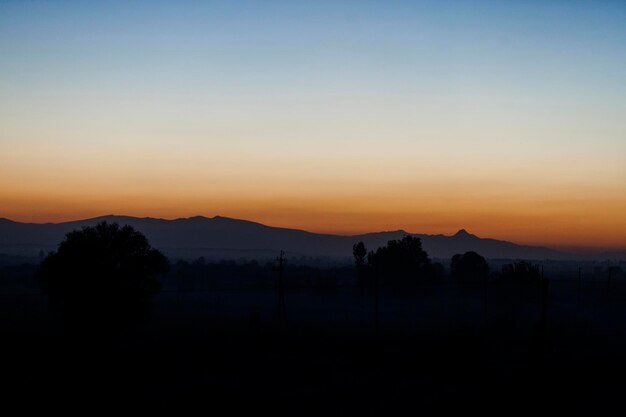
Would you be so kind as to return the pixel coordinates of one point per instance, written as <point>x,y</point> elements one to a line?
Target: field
<point>444,347</point>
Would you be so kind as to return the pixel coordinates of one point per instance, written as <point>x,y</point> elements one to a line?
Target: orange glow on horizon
<point>565,222</point>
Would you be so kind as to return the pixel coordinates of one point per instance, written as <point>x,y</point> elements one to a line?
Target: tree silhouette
<point>402,261</point>
<point>102,274</point>
<point>360,252</point>
<point>469,267</point>
<point>522,272</point>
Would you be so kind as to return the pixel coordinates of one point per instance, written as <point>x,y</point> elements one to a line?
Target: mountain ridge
<point>226,238</point>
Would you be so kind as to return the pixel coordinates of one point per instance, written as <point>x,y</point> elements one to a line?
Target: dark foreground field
<point>439,348</point>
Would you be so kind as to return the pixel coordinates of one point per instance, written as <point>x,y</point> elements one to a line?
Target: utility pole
<point>376,296</point>
<point>282,309</point>
<point>543,326</point>
<point>580,279</point>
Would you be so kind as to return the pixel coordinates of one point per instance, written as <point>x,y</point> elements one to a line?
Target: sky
<point>507,119</point>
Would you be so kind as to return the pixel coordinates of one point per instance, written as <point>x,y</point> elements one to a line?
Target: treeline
<point>404,264</point>
<point>200,275</point>
<point>401,264</point>
<point>110,257</point>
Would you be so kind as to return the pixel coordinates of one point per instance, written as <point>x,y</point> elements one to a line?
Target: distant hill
<point>226,238</point>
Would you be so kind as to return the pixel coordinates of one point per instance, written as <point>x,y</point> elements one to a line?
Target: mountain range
<point>227,238</point>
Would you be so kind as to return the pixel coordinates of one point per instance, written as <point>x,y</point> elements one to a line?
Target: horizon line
<point>575,249</point>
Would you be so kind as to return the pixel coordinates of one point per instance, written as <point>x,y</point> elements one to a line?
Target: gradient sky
<point>504,118</point>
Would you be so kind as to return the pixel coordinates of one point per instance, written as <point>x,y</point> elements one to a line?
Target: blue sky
<point>331,100</point>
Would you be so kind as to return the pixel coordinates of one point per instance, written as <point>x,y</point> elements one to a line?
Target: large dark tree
<point>102,274</point>
<point>402,261</point>
<point>469,267</point>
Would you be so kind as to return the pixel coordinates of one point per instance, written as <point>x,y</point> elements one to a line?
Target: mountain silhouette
<point>223,238</point>
<point>463,233</point>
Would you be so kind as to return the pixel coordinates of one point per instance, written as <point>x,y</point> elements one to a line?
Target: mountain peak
<point>463,233</point>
